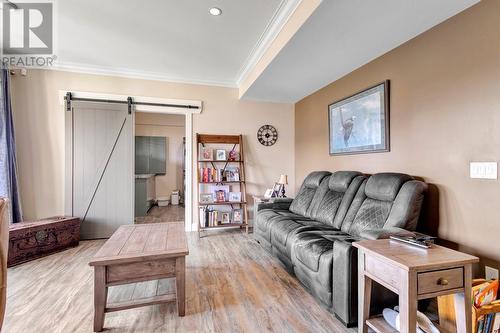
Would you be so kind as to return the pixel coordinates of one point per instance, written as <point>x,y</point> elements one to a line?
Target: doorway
<point>160,167</point>
<point>120,154</point>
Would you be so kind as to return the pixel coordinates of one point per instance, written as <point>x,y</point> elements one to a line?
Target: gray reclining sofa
<point>312,234</point>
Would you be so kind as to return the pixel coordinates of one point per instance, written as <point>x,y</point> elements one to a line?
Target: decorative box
<point>34,239</point>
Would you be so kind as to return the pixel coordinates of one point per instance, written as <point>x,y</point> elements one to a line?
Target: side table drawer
<point>436,281</point>
<point>384,271</point>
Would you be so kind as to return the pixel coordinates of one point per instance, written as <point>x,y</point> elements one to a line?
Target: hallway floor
<point>157,214</point>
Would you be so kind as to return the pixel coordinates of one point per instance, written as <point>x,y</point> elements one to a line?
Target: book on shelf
<point>484,299</point>
<point>212,218</point>
<point>489,323</point>
<point>213,175</point>
<point>209,218</point>
<point>210,175</point>
<point>486,323</point>
<point>485,293</point>
<point>495,327</point>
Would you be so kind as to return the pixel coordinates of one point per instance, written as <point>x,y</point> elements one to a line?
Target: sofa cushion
<point>341,180</point>
<point>284,230</point>
<point>385,200</point>
<point>330,196</point>
<point>371,215</point>
<point>306,193</point>
<point>313,261</point>
<point>309,253</point>
<point>311,245</point>
<point>385,186</point>
<point>281,230</point>
<point>405,210</point>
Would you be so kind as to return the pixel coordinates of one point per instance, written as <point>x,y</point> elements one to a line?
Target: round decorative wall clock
<point>267,135</point>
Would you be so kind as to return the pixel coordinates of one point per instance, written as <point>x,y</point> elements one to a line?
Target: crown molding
<point>132,74</point>
<point>273,28</point>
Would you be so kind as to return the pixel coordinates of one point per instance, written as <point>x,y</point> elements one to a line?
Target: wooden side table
<point>413,273</point>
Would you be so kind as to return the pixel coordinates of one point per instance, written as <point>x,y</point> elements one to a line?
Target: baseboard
<point>354,324</point>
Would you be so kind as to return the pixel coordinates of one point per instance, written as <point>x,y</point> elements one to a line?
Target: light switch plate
<point>490,273</point>
<point>483,170</point>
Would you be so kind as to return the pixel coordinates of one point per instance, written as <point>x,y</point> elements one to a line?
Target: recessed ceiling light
<point>215,11</point>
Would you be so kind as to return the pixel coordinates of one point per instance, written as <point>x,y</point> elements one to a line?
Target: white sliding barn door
<point>102,167</point>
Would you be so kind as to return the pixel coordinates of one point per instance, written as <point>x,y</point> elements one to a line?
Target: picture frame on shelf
<point>276,190</point>
<point>206,154</point>
<point>226,218</point>
<point>220,155</point>
<point>224,188</point>
<point>206,197</point>
<point>237,215</point>
<point>233,155</point>
<point>232,174</point>
<point>220,196</point>
<point>234,197</point>
<point>269,193</point>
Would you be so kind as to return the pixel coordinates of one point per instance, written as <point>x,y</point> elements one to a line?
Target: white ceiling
<point>177,40</point>
<point>164,39</point>
<point>342,35</point>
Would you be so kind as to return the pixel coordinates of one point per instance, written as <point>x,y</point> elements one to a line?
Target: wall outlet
<point>490,273</point>
<point>483,170</point>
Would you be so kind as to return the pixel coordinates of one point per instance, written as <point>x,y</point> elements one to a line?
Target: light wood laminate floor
<point>170,213</point>
<point>232,285</point>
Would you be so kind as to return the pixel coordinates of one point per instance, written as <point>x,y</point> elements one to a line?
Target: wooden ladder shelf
<point>236,141</point>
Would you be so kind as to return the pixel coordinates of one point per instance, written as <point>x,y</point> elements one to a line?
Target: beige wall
<point>173,128</point>
<point>39,125</point>
<point>445,112</point>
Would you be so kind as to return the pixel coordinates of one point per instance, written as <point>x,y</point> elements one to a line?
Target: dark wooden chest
<point>35,239</point>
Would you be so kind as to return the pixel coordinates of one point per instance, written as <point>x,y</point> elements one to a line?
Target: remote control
<point>412,241</point>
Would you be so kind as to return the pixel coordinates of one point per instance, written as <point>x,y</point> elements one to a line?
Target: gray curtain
<point>8,165</point>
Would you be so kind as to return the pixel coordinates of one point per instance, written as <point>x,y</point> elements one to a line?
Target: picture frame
<point>237,215</point>
<point>206,197</point>
<point>224,188</point>
<point>206,154</point>
<point>220,155</point>
<point>226,218</point>
<point>269,193</point>
<point>276,190</point>
<point>234,196</point>
<point>232,174</point>
<point>233,155</point>
<point>220,196</point>
<point>359,124</point>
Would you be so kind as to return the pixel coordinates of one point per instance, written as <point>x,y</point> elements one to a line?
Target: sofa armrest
<point>344,277</point>
<point>278,204</point>
<point>345,285</point>
<point>385,233</point>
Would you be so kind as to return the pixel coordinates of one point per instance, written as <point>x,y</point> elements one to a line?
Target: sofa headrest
<point>385,186</point>
<point>314,178</point>
<point>340,180</point>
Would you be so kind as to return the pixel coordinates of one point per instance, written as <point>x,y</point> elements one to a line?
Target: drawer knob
<point>442,282</point>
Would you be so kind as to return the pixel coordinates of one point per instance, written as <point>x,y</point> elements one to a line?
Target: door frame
<point>188,113</point>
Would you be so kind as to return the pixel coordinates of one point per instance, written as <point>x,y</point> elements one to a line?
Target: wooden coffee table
<point>136,253</point>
